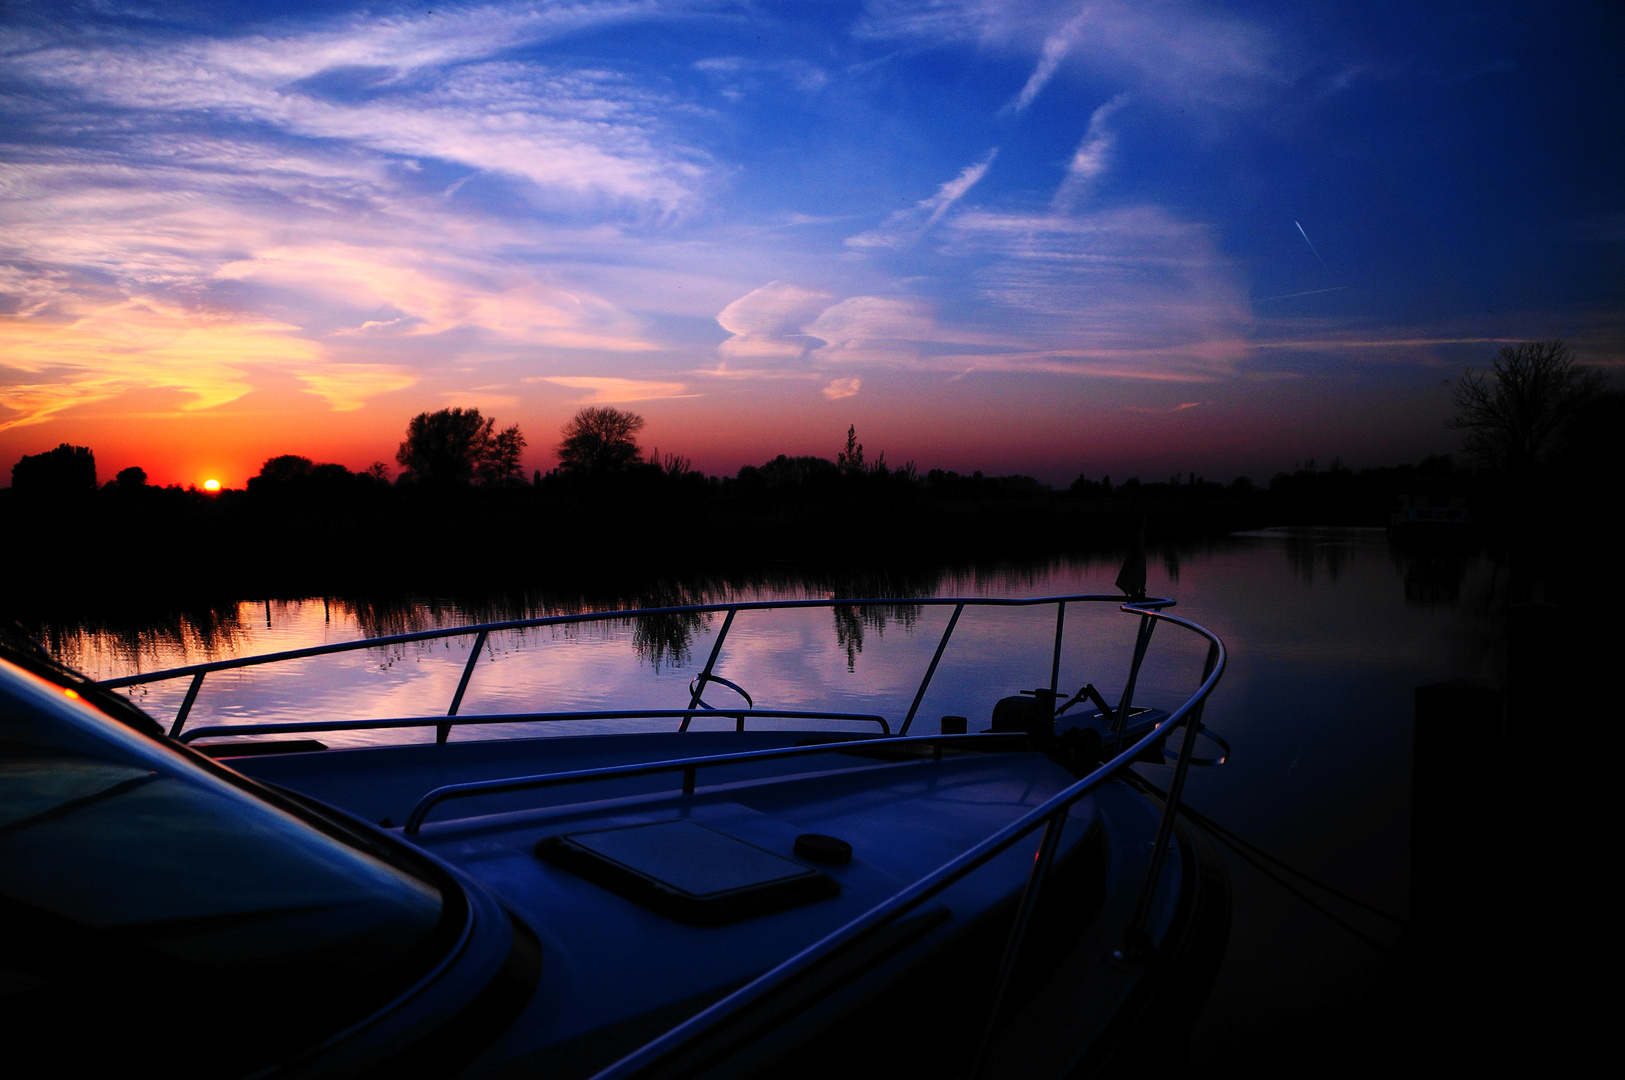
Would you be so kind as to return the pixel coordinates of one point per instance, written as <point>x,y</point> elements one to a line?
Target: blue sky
<point>1100,237</point>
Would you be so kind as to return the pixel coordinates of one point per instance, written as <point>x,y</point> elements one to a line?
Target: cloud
<point>1181,407</point>
<point>785,331</point>
<point>607,390</point>
<point>1092,156</point>
<point>1056,46</point>
<point>173,206</point>
<point>430,86</point>
<point>843,388</point>
<point>347,387</point>
<point>767,323</point>
<point>873,330</point>
<point>736,76</point>
<point>1166,49</point>
<point>903,227</point>
<point>435,292</point>
<point>1129,292</point>
<point>142,344</point>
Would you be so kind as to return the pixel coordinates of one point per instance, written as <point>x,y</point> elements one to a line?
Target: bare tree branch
<point>1511,415</point>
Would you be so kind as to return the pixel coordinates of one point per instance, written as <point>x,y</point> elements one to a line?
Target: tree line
<point>1534,424</point>
<point>1541,443</point>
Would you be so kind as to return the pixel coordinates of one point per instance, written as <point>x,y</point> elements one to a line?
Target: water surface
<point>1329,632</point>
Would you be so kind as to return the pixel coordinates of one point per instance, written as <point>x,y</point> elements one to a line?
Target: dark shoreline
<point>147,546</point>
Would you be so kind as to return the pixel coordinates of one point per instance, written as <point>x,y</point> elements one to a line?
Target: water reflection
<point>667,640</point>
<point>114,643</point>
<point>1329,631</point>
<point>1433,578</point>
<point>117,642</point>
<point>851,620</point>
<point>1311,551</point>
<point>132,643</point>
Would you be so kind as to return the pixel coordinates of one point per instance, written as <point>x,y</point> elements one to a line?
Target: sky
<point>1128,237</point>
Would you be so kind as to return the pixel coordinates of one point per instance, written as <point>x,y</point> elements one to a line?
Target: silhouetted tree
<point>66,470</point>
<point>133,477</point>
<point>850,460</point>
<point>500,465</point>
<point>788,472</point>
<point>447,447</point>
<point>671,466</point>
<point>599,440</point>
<point>284,467</point>
<point>1512,415</point>
<point>331,476</point>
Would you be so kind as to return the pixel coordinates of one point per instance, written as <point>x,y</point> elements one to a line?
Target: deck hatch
<point>688,871</point>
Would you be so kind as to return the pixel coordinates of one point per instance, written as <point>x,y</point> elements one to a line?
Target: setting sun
<point>211,485</point>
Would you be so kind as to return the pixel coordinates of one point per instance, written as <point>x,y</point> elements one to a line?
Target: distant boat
<point>1420,513</point>
<point>780,899</point>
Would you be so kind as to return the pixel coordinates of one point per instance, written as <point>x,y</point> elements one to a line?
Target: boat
<point>746,892</point>
<point>1430,520</point>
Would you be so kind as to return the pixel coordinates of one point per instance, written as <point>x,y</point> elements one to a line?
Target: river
<point>1329,632</point>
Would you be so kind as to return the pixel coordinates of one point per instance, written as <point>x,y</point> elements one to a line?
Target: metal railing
<point>689,767</point>
<point>738,715</point>
<point>1050,816</point>
<point>696,706</point>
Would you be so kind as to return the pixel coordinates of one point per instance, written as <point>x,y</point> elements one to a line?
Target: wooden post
<point>1456,802</point>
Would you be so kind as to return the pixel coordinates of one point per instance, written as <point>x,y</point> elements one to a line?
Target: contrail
<point>1290,295</point>
<point>1306,240</point>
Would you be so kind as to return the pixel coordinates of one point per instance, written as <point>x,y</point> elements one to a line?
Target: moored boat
<point>782,898</point>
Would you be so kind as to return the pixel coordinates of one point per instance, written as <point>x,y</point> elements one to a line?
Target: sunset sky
<point>1120,237</point>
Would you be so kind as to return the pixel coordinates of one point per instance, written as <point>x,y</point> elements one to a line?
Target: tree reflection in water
<point>851,620</point>
<point>147,640</point>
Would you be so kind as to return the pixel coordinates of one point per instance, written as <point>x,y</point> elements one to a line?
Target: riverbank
<point>351,533</point>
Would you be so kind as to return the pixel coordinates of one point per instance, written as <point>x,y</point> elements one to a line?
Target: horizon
<point>648,456</point>
<point>1045,239</point>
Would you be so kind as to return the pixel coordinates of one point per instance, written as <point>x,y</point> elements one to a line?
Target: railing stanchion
<point>919,695</point>
<point>710,662</point>
<point>1055,664</point>
<point>1134,937</point>
<point>688,780</point>
<point>186,705</point>
<point>1018,930</point>
<point>443,732</point>
<point>1142,642</point>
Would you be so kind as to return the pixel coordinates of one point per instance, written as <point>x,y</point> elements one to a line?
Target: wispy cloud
<point>737,76</point>
<point>141,344</point>
<point>185,188</point>
<point>768,324</point>
<point>843,388</point>
<point>347,387</point>
<point>906,226</point>
<point>873,330</point>
<point>1056,46</point>
<point>1092,156</point>
<point>1129,292</point>
<point>1163,48</point>
<point>1181,407</point>
<point>603,390</point>
<point>569,132</point>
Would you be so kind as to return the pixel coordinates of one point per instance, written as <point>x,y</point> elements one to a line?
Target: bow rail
<point>443,724</point>
<point>1049,818</point>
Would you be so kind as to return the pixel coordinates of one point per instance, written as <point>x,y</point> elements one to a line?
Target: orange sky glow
<point>284,230</point>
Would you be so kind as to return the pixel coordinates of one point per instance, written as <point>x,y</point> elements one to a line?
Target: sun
<point>211,485</point>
